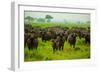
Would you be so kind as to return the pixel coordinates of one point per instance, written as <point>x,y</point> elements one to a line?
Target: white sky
<point>60,17</point>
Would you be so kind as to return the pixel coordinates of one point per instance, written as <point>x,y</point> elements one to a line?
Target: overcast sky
<point>60,17</point>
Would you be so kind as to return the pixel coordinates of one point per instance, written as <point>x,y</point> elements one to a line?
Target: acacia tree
<point>48,18</point>
<point>30,19</point>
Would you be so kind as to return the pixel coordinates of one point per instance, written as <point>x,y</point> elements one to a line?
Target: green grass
<point>45,51</point>
<point>51,24</point>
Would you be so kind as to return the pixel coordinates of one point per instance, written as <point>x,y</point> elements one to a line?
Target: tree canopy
<point>30,19</point>
<point>48,17</point>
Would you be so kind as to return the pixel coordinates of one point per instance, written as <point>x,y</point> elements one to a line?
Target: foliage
<point>48,17</point>
<point>30,19</point>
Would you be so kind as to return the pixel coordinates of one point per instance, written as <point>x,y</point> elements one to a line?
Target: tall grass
<point>45,52</point>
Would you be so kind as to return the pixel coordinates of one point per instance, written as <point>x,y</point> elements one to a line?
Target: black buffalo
<point>72,39</point>
<point>32,42</point>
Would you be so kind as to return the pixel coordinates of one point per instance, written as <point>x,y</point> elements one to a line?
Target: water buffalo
<point>58,43</point>
<point>72,39</point>
<point>32,42</point>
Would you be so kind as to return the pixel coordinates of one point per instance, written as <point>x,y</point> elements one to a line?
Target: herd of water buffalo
<point>57,35</point>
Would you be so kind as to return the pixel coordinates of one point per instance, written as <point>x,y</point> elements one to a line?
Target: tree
<point>30,19</point>
<point>48,17</point>
<point>41,20</point>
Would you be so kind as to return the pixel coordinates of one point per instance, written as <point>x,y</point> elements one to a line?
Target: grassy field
<point>45,50</point>
<point>51,24</point>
